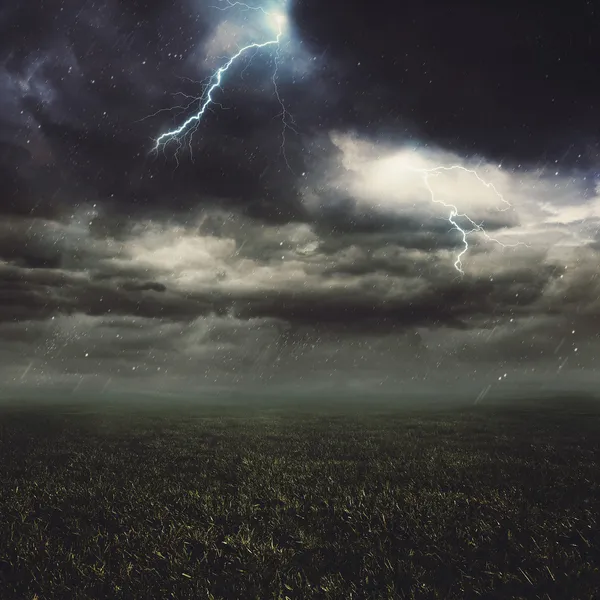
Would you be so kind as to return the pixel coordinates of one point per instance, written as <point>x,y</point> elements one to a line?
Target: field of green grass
<point>480,502</point>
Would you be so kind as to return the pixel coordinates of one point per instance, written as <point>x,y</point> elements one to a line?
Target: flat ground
<point>486,502</point>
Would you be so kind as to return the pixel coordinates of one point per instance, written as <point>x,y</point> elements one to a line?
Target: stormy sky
<point>308,232</point>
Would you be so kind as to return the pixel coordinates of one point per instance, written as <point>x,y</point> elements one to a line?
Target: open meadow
<point>283,502</point>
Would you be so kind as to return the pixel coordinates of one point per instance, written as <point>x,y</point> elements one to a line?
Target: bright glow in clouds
<point>378,174</point>
<point>280,21</point>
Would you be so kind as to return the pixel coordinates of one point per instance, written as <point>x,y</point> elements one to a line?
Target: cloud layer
<point>227,267</point>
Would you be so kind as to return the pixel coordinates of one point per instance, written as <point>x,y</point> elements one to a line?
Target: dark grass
<point>474,502</point>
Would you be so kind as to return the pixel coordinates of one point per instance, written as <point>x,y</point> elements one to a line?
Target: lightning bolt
<point>287,119</point>
<point>427,174</point>
<point>189,126</point>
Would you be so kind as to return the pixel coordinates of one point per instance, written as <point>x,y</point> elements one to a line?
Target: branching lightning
<point>454,214</point>
<point>187,129</point>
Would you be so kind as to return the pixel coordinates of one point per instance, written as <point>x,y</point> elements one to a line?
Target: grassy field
<point>478,502</point>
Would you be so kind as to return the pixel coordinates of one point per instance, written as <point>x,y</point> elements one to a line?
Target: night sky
<point>312,243</point>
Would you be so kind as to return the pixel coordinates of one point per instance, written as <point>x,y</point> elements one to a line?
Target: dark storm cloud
<point>27,182</point>
<point>579,296</point>
<point>153,286</point>
<point>387,259</point>
<point>443,303</point>
<point>370,302</point>
<point>595,244</point>
<point>83,78</point>
<point>23,250</point>
<point>505,79</point>
<point>52,244</point>
<point>342,224</point>
<point>35,294</point>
